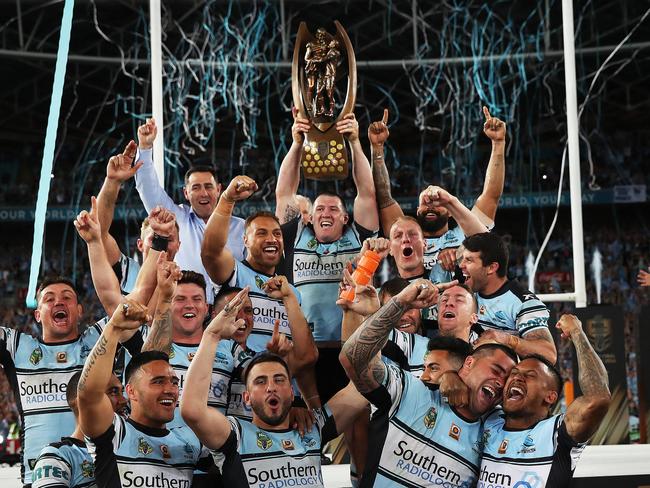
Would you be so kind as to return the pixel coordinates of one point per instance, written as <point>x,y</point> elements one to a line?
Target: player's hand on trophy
<point>494,128</point>
<point>378,131</point>
<point>240,188</point>
<point>349,127</point>
<point>300,126</point>
<point>147,134</point>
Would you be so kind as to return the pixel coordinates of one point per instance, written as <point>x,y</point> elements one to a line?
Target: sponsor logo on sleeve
<point>528,446</point>
<point>264,442</point>
<point>259,281</point>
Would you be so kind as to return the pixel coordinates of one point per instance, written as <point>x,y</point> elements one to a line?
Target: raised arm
<point>210,426</point>
<point>105,282</point>
<point>289,174</point>
<point>119,169</point>
<point>365,205</point>
<point>389,209</point>
<point>159,337</point>
<point>217,259</point>
<point>488,200</point>
<point>95,408</point>
<point>469,222</point>
<point>585,414</point>
<point>151,192</point>
<point>360,354</point>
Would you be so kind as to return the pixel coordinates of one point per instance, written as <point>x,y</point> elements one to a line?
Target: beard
<point>273,420</point>
<point>432,226</point>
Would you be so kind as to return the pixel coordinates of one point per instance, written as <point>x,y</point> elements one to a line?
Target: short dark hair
<point>468,290</point>
<point>53,280</point>
<point>141,359</point>
<point>332,194</point>
<point>194,278</point>
<point>71,388</point>
<point>457,348</point>
<point>201,168</point>
<point>555,373</point>
<point>223,291</point>
<point>257,215</point>
<point>484,350</point>
<point>392,287</point>
<point>264,357</point>
<point>492,249</point>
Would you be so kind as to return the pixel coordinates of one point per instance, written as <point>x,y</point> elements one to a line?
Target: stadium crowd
<point>244,346</point>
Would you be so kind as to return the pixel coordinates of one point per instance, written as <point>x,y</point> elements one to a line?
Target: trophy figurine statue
<point>314,72</point>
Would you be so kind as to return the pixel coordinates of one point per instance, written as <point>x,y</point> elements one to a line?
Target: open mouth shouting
<point>273,401</point>
<point>326,223</point>
<point>448,314</point>
<point>431,216</point>
<point>168,402</point>
<point>407,251</point>
<point>489,394</point>
<point>516,392</point>
<point>60,316</point>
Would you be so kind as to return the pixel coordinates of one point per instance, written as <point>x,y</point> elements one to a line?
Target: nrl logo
<point>259,281</point>
<point>87,469</point>
<point>430,418</point>
<point>36,356</point>
<point>264,442</point>
<point>144,447</point>
<point>312,243</point>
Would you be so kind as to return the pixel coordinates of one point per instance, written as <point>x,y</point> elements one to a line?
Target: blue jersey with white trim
<point>417,440</point>
<point>126,270</point>
<point>260,458</point>
<point>407,351</point>
<point>544,455</point>
<point>64,464</point>
<point>512,309</point>
<point>316,269</point>
<point>453,238</point>
<point>265,309</point>
<point>130,455</point>
<point>38,373</point>
<point>237,407</point>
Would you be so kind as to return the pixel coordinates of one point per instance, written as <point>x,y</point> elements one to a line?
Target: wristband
<point>159,243</point>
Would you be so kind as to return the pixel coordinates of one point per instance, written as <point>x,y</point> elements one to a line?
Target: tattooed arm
<point>159,337</point>
<point>95,409</point>
<point>488,200</point>
<point>359,355</point>
<point>585,414</point>
<point>286,188</point>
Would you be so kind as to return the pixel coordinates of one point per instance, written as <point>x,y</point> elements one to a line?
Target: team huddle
<point>244,347</point>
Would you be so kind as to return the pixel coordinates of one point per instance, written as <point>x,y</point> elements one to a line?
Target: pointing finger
<point>486,112</point>
<point>444,286</point>
<point>384,119</point>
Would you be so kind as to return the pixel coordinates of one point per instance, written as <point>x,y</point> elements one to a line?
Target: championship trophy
<point>314,74</point>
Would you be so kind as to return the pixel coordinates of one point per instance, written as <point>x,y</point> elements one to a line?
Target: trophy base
<point>324,155</point>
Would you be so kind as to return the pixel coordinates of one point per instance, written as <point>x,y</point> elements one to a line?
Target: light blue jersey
<point>265,309</point>
<point>126,270</point>
<point>64,464</point>
<point>130,455</point>
<point>259,458</point>
<point>544,455</point>
<point>39,373</point>
<point>316,269</point>
<point>453,238</point>
<point>512,309</point>
<point>407,351</point>
<point>417,440</point>
<point>237,407</point>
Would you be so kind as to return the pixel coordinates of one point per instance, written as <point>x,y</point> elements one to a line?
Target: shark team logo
<point>144,447</point>
<point>36,356</point>
<point>87,469</point>
<point>430,418</point>
<point>264,442</point>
